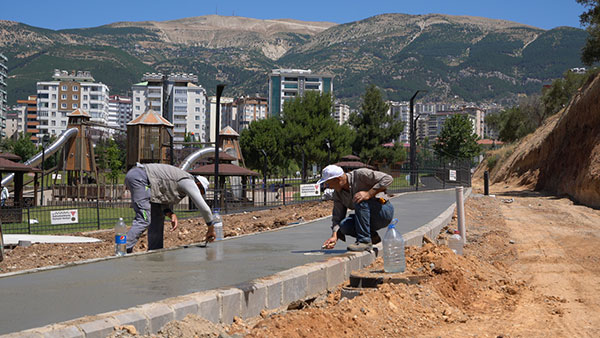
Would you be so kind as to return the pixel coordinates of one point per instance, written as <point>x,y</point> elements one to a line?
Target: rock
<point>511,241</point>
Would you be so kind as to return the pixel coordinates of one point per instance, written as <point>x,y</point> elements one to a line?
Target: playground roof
<point>150,118</point>
<point>10,156</point>
<point>11,167</point>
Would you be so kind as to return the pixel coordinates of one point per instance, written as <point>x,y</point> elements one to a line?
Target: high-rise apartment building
<point>28,109</point>
<point>341,112</point>
<point>251,108</point>
<point>119,111</point>
<point>66,93</point>
<point>3,95</point>
<point>401,110</point>
<point>285,84</point>
<point>178,98</point>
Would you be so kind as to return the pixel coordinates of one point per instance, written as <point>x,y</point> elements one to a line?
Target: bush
<point>492,161</point>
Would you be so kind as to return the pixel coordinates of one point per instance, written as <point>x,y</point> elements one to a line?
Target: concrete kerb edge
<point>222,305</point>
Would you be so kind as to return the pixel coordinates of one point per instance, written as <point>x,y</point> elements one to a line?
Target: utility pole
<point>264,176</point>
<point>413,138</point>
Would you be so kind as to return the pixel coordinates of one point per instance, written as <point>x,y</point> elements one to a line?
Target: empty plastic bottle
<point>393,250</point>
<point>218,224</point>
<point>120,238</point>
<point>455,243</point>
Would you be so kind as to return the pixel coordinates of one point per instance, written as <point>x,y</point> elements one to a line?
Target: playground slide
<point>49,151</point>
<point>195,156</point>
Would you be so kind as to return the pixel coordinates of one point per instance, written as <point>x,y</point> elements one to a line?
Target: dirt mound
<point>563,155</point>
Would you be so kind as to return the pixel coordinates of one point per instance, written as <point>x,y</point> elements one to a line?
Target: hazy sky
<point>60,14</point>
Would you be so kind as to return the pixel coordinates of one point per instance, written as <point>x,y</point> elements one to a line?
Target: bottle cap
<point>457,232</point>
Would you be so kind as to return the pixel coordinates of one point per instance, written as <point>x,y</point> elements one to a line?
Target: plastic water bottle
<point>120,238</point>
<point>393,250</point>
<point>218,224</point>
<point>455,243</point>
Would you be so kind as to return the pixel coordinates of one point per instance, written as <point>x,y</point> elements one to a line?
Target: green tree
<point>309,126</point>
<point>591,20</point>
<point>558,95</point>
<point>375,127</point>
<point>113,156</point>
<point>267,135</point>
<point>457,138</point>
<point>23,147</point>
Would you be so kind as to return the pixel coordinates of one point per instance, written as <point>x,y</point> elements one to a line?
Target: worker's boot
<point>360,246</point>
<point>375,238</point>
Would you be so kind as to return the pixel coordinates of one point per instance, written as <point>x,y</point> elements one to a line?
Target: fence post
<point>98,212</point>
<point>460,213</point>
<point>28,221</point>
<point>444,176</point>
<point>283,191</point>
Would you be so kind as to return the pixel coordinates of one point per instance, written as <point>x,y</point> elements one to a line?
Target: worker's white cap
<point>203,181</point>
<point>329,172</point>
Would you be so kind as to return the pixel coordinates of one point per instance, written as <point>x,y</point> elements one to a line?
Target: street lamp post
<point>264,176</point>
<point>44,141</point>
<point>413,138</point>
<point>220,89</point>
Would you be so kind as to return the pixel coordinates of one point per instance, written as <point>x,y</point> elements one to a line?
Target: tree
<point>457,138</point>
<point>591,20</point>
<point>113,156</point>
<point>268,135</point>
<point>375,127</point>
<point>23,147</point>
<point>308,126</point>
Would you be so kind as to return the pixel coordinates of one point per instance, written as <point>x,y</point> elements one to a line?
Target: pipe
<point>460,213</point>
<point>193,157</point>
<point>49,151</point>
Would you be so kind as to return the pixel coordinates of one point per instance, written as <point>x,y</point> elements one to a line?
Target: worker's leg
<point>157,227</point>
<point>137,183</point>
<point>371,215</point>
<point>190,188</point>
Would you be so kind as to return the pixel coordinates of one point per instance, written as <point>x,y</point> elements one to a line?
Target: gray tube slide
<point>50,150</point>
<point>195,156</point>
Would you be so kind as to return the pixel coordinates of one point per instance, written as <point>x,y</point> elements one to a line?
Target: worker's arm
<point>378,180</point>
<point>338,214</point>
<point>174,221</point>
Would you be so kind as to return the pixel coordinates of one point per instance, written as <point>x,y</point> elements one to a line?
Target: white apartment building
<point>285,84</point>
<point>119,111</point>
<point>476,116</point>
<point>67,92</point>
<point>401,110</point>
<point>228,116</point>
<point>250,109</point>
<point>3,95</point>
<point>341,112</point>
<point>178,98</point>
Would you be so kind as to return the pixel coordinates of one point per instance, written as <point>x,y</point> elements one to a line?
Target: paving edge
<point>243,300</point>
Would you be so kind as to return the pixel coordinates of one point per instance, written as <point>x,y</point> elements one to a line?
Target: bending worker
<point>362,190</point>
<point>155,188</point>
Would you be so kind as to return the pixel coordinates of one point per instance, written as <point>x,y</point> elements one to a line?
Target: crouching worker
<point>362,190</point>
<point>155,188</point>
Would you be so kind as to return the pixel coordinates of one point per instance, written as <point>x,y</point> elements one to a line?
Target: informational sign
<point>56,176</point>
<point>64,216</point>
<point>307,190</point>
<point>452,175</point>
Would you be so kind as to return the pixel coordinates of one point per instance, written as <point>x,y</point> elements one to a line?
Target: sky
<point>62,14</point>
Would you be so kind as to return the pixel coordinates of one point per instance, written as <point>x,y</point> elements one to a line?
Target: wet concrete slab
<point>41,298</point>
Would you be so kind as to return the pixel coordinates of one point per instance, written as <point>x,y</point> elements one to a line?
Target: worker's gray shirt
<point>163,183</point>
<point>362,179</point>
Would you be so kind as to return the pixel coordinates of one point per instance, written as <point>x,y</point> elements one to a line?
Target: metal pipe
<point>460,213</point>
<point>195,156</point>
<point>54,147</point>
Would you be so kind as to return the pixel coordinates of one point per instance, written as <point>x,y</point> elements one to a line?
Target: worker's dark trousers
<point>147,215</point>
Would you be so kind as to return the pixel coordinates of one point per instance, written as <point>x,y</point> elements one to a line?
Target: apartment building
<point>228,116</point>
<point>476,116</point>
<point>28,111</point>
<point>285,84</point>
<point>251,108</point>
<point>178,98</point>
<point>341,112</point>
<point>66,93</point>
<point>119,111</point>
<point>15,124</point>
<point>3,95</point>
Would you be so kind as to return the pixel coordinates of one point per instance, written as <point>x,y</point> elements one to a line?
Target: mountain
<point>472,58</point>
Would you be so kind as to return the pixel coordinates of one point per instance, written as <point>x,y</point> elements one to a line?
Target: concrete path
<point>41,298</point>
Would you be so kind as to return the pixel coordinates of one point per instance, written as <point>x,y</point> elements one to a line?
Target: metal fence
<point>62,217</point>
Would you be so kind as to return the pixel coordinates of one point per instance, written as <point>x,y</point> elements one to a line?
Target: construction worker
<point>3,195</point>
<point>361,190</point>
<point>155,188</point>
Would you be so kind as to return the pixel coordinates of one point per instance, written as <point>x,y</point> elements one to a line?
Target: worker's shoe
<point>375,238</point>
<point>360,246</point>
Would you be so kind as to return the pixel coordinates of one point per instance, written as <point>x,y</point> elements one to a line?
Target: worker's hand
<point>174,222</point>
<point>330,243</point>
<point>361,196</point>
<point>210,234</point>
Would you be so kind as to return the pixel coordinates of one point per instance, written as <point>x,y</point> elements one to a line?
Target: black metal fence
<point>62,217</point>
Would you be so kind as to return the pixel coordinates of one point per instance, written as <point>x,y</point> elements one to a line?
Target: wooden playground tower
<point>149,139</point>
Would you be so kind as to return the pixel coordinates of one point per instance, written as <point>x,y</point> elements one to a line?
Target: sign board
<point>64,216</point>
<point>307,190</point>
<point>452,175</point>
<point>56,176</point>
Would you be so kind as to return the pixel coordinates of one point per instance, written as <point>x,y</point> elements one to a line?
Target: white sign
<point>310,190</point>
<point>452,175</point>
<point>56,176</point>
<point>64,217</point>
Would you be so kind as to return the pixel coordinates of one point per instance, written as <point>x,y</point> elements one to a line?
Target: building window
<point>197,100</point>
<point>63,105</point>
<point>137,107</point>
<point>198,127</point>
<point>63,123</point>
<point>85,106</point>
<point>74,105</point>
<point>53,123</point>
<point>75,88</point>
<point>137,99</point>
<point>197,118</point>
<point>85,97</point>
<point>64,88</point>
<point>75,97</point>
<point>53,104</point>
<point>54,96</point>
<point>197,109</point>
<point>63,97</point>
